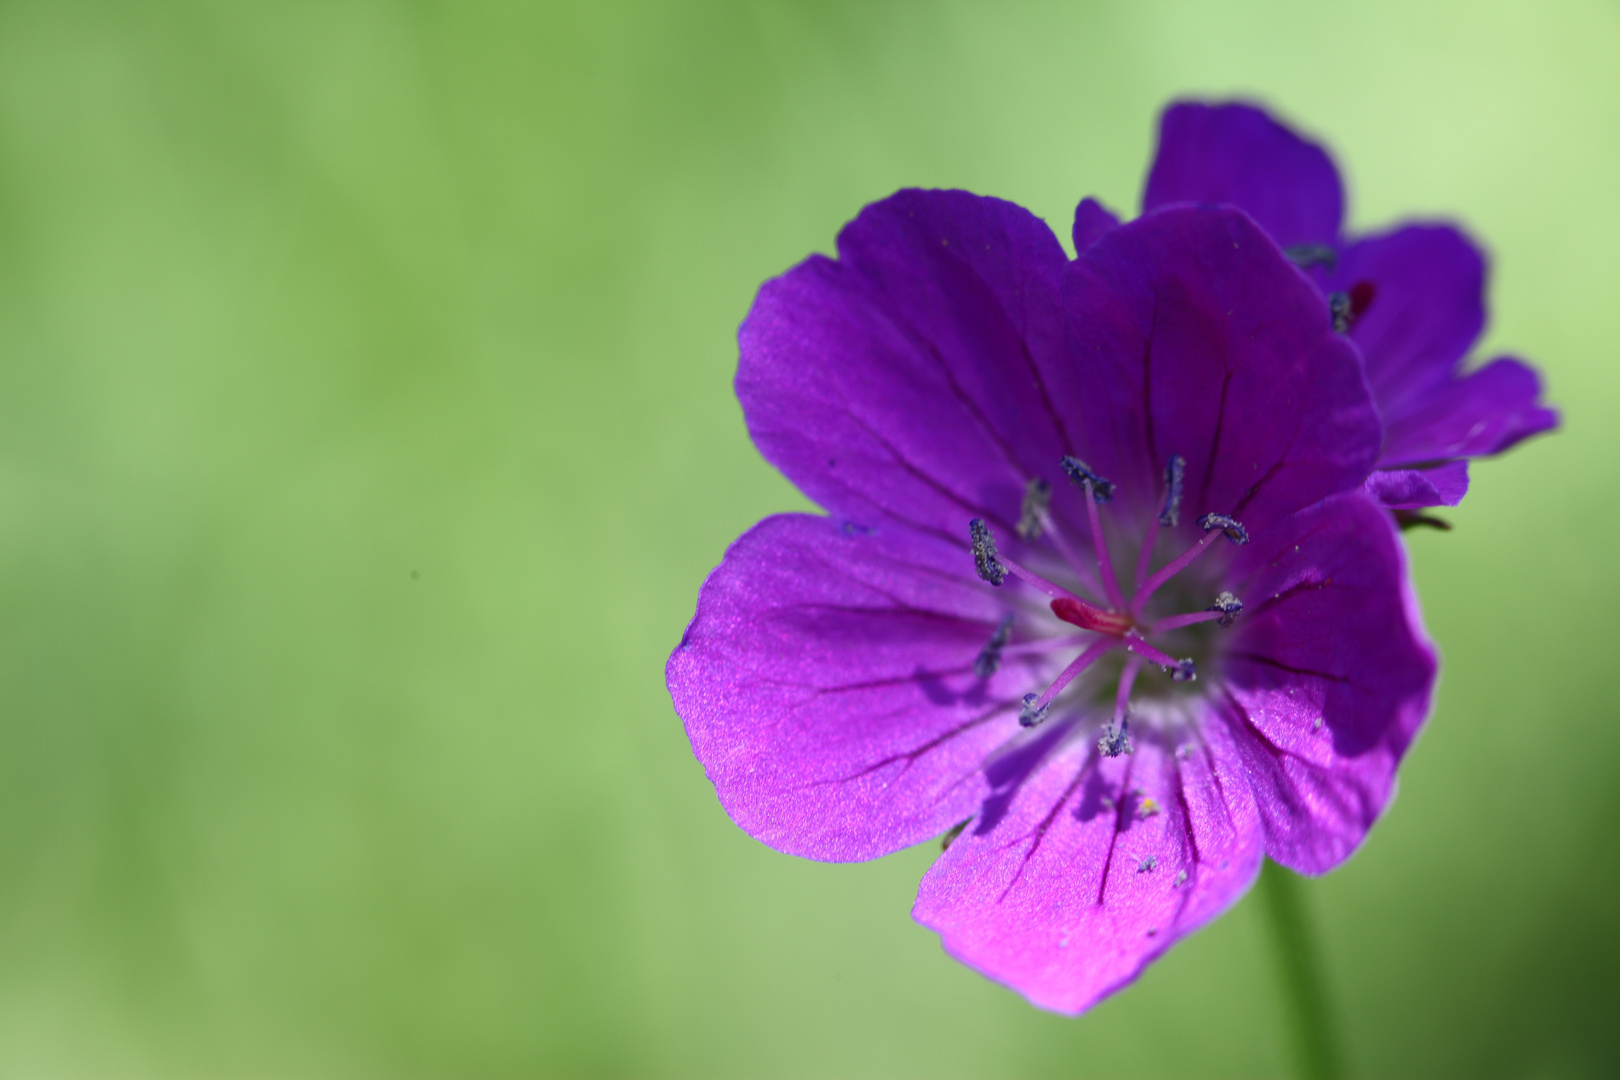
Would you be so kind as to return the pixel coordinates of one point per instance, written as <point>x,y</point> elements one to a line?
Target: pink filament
<point>1105,564</point>
<point>1170,570</point>
<point>1175,622</point>
<point>1076,666</point>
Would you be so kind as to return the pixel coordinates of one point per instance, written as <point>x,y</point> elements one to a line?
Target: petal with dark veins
<point>1193,335</point>
<point>1084,882</point>
<point>827,686</point>
<point>907,380</point>
<point>1327,679</point>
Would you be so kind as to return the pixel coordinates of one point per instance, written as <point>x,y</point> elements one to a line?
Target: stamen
<point>1127,680</point>
<point>1035,708</point>
<point>1229,606</point>
<point>1176,622</point>
<point>1339,311</point>
<point>1175,566</point>
<point>1101,490</point>
<point>1088,481</point>
<point>989,659</point>
<point>1081,567</point>
<point>1115,741</point>
<point>1231,527</point>
<point>1307,256</point>
<point>1046,645</point>
<point>1180,670</point>
<point>993,567</point>
<point>1030,714</point>
<point>1037,494</point>
<point>985,562</point>
<point>1226,608</point>
<point>1174,472</point>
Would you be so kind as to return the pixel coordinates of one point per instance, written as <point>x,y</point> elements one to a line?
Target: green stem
<point>1304,997</point>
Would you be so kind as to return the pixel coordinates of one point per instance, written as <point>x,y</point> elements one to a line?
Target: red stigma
<point>1361,298</point>
<point>1088,617</point>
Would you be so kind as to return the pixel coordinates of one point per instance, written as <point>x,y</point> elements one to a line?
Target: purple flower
<point>1100,587</point>
<point>1412,299</point>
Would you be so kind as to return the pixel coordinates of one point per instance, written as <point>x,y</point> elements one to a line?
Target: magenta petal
<point>1330,633</point>
<point>1238,154</point>
<point>1484,412</point>
<point>1193,335</point>
<point>1426,306</point>
<point>1091,220</point>
<point>907,379</point>
<point>1084,881</point>
<point>1414,489</point>
<point>827,686</point>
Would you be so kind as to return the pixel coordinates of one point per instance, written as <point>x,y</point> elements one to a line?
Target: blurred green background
<point>366,431</point>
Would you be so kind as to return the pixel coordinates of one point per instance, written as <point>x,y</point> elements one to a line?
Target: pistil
<point>1120,625</point>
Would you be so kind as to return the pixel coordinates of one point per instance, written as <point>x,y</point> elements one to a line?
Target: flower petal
<point>1414,489</point>
<point>1484,412</point>
<point>906,379</point>
<point>1424,307</point>
<point>1235,153</point>
<point>1084,881</point>
<point>827,686</point>
<point>1091,220</point>
<point>1193,335</point>
<point>1328,677</point>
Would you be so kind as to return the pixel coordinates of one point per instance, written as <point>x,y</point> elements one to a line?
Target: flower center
<point>1119,622</point>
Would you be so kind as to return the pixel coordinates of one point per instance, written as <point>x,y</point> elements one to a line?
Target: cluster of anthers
<point>1123,623</point>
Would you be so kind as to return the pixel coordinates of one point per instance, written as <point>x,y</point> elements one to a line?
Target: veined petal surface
<point>1327,679</point>
<point>909,379</point>
<point>1193,335</point>
<point>827,686</point>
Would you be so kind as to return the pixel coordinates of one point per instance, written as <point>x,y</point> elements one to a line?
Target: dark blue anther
<point>1233,529</point>
<point>1115,742</point>
<point>1184,671</point>
<point>1102,490</point>
<point>1228,605</point>
<point>990,656</point>
<point>1037,494</point>
<point>1028,714</point>
<point>1306,256</point>
<point>1174,472</point>
<point>1339,309</point>
<point>984,553</point>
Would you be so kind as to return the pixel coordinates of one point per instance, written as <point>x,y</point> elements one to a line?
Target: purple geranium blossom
<point>1203,649</point>
<point>1412,299</point>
